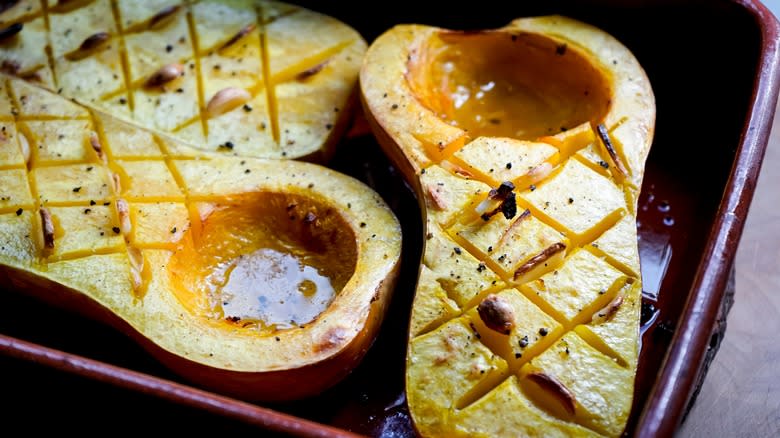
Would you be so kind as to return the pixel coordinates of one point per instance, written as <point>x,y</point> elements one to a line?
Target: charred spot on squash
<point>523,87</point>
<point>273,261</point>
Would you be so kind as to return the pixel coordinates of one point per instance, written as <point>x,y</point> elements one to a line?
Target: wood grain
<point>741,394</point>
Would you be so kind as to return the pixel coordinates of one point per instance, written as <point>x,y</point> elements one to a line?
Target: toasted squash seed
<point>163,17</point>
<point>557,388</point>
<point>240,34</point>
<point>165,74</point>
<point>10,31</point>
<point>47,225</point>
<point>497,314</point>
<point>123,211</point>
<point>90,44</point>
<point>225,100</point>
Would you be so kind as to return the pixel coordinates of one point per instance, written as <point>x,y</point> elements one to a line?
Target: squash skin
<point>447,337</point>
<point>247,362</point>
<point>274,386</point>
<point>130,70</point>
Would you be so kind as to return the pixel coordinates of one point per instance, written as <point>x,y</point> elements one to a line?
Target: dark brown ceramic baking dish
<point>714,69</point>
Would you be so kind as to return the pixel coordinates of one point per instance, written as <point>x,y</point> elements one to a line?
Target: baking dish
<point>713,66</point>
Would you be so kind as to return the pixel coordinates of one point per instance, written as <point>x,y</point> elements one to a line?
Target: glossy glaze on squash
<point>258,278</point>
<point>261,279</point>
<point>526,147</point>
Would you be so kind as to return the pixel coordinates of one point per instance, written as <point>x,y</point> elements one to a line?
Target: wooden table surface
<point>741,394</point>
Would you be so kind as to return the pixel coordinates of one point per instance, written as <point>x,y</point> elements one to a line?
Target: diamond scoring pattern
<point>85,196</point>
<point>71,181</point>
<point>570,289</point>
<point>246,45</point>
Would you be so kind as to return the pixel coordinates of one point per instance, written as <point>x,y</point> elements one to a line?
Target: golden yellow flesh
<point>500,85</point>
<point>272,261</point>
<point>525,321</point>
<point>242,274</point>
<point>294,69</point>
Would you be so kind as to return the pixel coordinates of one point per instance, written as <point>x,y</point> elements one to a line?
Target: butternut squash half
<point>247,77</point>
<point>259,278</point>
<point>526,147</point>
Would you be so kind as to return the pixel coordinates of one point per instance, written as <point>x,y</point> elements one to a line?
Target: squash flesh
<point>524,102</point>
<point>265,240</point>
<point>171,243</point>
<point>472,82</point>
<point>299,68</point>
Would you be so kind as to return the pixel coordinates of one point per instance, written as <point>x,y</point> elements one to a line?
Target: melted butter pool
<point>265,262</point>
<point>275,288</point>
<point>520,86</point>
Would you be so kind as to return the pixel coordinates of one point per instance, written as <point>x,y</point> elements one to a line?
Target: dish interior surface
<point>702,78</point>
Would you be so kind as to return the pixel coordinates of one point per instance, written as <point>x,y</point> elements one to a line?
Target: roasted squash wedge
<point>247,77</point>
<point>141,195</point>
<point>526,147</point>
<point>260,278</point>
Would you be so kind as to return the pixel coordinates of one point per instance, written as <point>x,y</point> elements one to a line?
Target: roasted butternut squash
<point>526,147</point>
<point>253,78</point>
<point>149,187</point>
